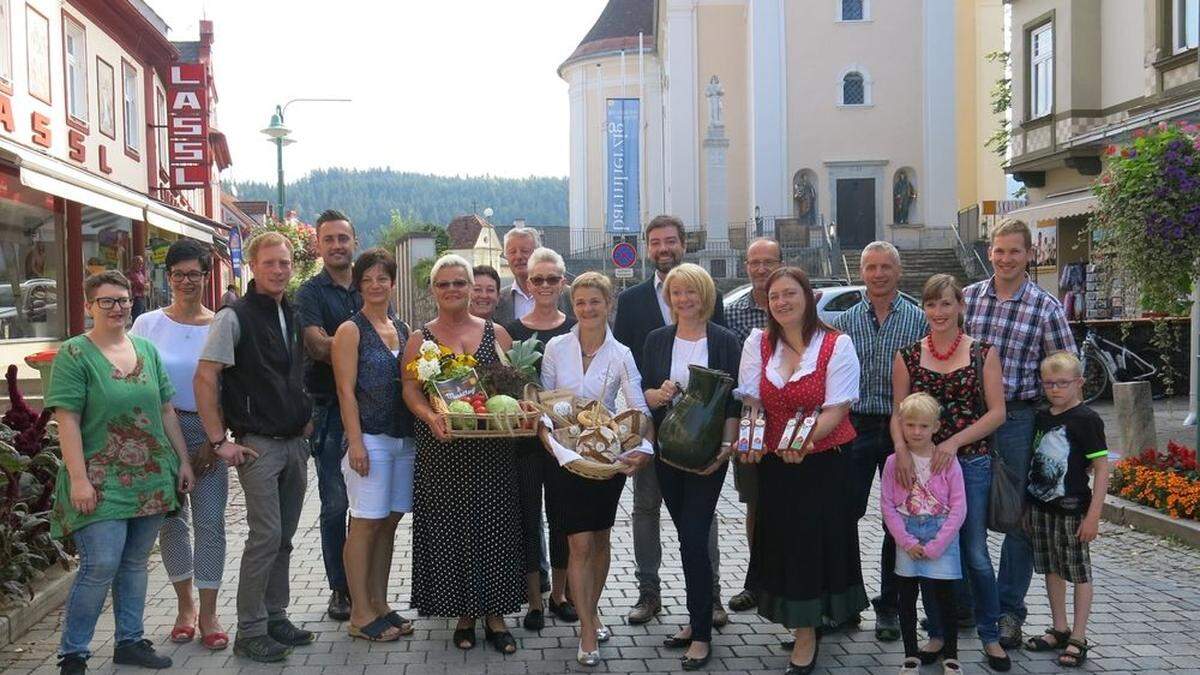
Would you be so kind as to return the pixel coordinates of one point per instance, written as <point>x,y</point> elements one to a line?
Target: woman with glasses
<point>544,321</point>
<point>124,461</point>
<point>179,331</point>
<point>466,513</point>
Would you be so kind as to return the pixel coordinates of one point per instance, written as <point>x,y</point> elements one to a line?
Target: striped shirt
<point>1024,329</point>
<point>876,346</point>
<point>744,315</point>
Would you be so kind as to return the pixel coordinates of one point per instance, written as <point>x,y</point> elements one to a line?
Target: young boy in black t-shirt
<point>1064,513</point>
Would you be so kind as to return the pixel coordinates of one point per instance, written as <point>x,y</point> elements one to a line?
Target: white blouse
<point>179,347</point>
<point>841,378</point>
<point>686,353</point>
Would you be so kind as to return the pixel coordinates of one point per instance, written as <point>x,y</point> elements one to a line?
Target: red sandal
<point>215,641</point>
<point>183,634</point>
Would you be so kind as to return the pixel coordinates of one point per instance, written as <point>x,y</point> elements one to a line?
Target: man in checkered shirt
<point>1025,324</point>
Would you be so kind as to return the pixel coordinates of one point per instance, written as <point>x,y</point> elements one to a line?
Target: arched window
<point>853,10</point>
<point>854,89</point>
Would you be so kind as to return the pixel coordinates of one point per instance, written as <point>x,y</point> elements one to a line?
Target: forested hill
<point>369,196</point>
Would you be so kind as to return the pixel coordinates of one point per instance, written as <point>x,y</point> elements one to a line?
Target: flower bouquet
<point>456,391</point>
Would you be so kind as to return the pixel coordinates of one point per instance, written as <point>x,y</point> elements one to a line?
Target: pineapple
<point>524,356</point>
<point>521,368</point>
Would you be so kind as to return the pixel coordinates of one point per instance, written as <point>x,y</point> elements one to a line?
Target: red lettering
<point>6,114</point>
<point>102,151</point>
<point>78,151</point>
<point>41,129</point>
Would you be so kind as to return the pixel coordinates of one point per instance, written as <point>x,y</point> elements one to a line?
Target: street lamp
<point>278,134</point>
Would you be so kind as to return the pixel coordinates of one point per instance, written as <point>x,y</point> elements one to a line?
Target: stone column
<point>716,148</point>
<point>1135,416</point>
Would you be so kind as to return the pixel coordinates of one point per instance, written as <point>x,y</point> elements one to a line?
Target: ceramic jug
<point>689,437</point>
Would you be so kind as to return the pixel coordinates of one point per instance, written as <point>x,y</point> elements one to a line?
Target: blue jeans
<point>867,454</point>
<point>327,451</point>
<point>977,480</point>
<point>1014,441</point>
<point>112,553</point>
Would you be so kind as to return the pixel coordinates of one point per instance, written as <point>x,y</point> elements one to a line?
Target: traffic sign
<point>623,273</point>
<point>624,255</point>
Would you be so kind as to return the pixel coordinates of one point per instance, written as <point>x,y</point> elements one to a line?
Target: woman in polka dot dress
<point>467,543</point>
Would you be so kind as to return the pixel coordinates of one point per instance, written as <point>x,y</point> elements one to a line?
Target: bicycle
<point>1106,362</point>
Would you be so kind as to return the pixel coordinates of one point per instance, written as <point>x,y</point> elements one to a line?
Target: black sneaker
<point>743,601</point>
<point>72,664</point>
<point>286,633</point>
<point>140,653</point>
<point>262,648</point>
<point>339,606</point>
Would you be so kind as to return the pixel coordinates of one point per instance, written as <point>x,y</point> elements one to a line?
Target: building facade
<point>87,177</point>
<point>862,114</point>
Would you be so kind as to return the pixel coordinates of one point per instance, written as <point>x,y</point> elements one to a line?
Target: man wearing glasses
<point>763,257</point>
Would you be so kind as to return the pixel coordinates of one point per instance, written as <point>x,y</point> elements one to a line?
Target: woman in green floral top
<point>124,460</point>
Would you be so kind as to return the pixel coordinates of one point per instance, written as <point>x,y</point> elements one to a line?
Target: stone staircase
<point>919,265</point>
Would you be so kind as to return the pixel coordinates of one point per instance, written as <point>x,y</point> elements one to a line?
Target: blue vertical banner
<point>235,251</point>
<point>623,207</point>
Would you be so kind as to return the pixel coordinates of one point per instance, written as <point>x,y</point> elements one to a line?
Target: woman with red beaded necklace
<point>944,364</point>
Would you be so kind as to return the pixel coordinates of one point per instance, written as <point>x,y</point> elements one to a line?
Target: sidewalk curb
<point>50,592</point>
<point>1124,512</point>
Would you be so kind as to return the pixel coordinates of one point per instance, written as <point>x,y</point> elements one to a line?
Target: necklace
<point>953,347</point>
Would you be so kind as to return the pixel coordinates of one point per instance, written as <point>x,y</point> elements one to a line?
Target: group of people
<point>928,397</point>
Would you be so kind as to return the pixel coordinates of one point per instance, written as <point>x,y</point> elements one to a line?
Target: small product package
<point>804,432</point>
<point>760,431</point>
<point>745,429</point>
<point>789,431</point>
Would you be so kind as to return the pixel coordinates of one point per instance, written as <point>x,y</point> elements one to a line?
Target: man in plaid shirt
<point>1025,324</point>
<point>879,325</point>
<point>763,257</point>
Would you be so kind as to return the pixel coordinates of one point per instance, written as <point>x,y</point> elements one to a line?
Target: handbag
<point>1006,496</point>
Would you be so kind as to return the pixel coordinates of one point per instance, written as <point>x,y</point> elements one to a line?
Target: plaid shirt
<point>743,316</point>
<point>876,346</point>
<point>1025,329</point>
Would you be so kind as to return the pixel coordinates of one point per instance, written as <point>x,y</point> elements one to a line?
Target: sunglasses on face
<point>109,303</point>
<point>455,284</point>
<point>193,276</point>
<point>551,280</point>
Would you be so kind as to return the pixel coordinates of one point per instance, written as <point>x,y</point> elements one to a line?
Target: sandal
<point>502,641</point>
<point>183,634</point>
<point>464,638</point>
<point>1041,644</point>
<point>397,621</point>
<point>215,641</point>
<point>1069,659</point>
<point>379,630</point>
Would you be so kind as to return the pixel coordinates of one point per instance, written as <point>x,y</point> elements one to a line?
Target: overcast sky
<point>444,86</point>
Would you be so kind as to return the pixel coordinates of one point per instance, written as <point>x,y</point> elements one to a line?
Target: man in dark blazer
<point>640,310</point>
<point>515,299</point>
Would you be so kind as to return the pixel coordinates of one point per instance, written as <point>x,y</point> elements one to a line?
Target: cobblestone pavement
<point>1147,609</point>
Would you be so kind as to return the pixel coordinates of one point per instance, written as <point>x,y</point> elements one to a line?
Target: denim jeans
<point>327,452</point>
<point>1014,441</point>
<point>112,553</point>
<point>692,502</point>
<point>867,453</point>
<point>977,480</point>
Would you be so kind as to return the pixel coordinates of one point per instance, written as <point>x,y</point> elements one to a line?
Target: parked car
<point>832,300</point>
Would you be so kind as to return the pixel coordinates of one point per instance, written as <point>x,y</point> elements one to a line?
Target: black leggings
<point>943,599</point>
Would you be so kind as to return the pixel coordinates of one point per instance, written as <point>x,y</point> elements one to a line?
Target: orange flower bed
<point>1169,483</point>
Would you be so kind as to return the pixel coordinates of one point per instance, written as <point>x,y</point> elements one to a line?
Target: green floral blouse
<point>130,460</point>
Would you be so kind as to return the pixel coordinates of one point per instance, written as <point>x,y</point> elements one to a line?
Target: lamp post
<point>278,134</point>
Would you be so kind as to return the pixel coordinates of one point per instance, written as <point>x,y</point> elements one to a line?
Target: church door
<point>855,211</point>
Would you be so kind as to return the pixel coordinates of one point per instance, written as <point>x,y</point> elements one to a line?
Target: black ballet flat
<point>696,664</point>
<point>677,642</point>
<point>1000,664</point>
<point>794,669</point>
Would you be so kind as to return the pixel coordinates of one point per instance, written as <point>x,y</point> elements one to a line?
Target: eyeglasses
<point>457,284</point>
<point>551,280</point>
<point>1058,384</point>
<point>194,276</point>
<point>109,303</point>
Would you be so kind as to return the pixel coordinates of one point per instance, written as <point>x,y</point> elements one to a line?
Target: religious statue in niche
<point>904,193</point>
<point>715,92</point>
<point>804,195</point>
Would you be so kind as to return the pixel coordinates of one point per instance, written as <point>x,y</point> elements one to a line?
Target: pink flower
<point>1163,126</point>
<point>1110,150</point>
<point>1106,179</point>
<point>1139,133</point>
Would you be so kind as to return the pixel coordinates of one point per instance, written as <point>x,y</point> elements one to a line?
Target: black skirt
<point>581,504</point>
<point>804,559</point>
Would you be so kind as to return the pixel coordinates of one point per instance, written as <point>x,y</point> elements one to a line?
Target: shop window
<point>75,50</point>
<point>160,119</point>
<point>1185,22</point>
<point>31,263</point>
<point>1041,71</point>
<point>5,46</point>
<point>132,111</point>
<point>107,244</point>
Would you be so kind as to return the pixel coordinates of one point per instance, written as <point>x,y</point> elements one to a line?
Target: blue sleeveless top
<point>381,408</point>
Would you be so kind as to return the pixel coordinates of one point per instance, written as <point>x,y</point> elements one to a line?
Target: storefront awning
<point>1055,208</point>
<point>60,179</point>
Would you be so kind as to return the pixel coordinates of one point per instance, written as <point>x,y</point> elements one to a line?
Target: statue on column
<point>715,92</point>
<point>804,195</point>
<point>903,195</point>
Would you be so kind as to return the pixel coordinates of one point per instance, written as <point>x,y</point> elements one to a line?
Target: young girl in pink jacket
<point>924,520</point>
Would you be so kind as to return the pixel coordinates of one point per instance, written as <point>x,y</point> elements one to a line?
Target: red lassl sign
<point>187,125</point>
